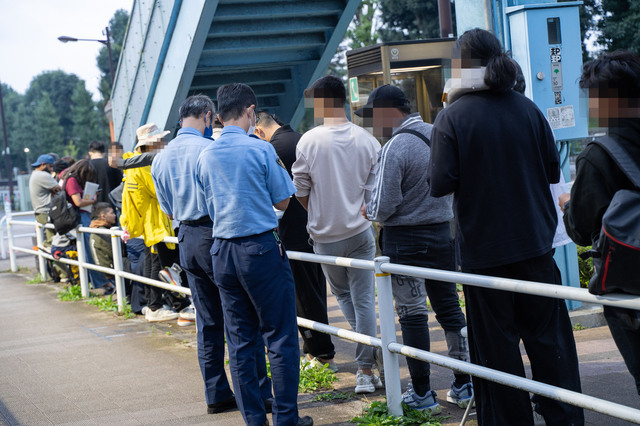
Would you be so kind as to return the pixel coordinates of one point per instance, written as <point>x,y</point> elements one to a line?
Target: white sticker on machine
<point>561,117</point>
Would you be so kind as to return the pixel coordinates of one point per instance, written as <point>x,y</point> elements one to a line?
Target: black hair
<point>328,87</point>
<point>233,99</point>
<point>116,145</point>
<point>520,85</point>
<point>99,208</point>
<point>479,47</point>
<point>96,146</point>
<point>616,74</point>
<point>195,106</point>
<point>263,118</point>
<point>60,165</point>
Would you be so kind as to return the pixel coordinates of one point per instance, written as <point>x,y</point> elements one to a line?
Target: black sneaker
<point>304,421</point>
<point>219,407</point>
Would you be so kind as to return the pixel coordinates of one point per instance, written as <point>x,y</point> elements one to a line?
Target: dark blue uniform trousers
<point>195,260</point>
<point>258,295</point>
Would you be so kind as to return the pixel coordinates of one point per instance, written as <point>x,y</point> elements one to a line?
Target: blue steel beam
<point>267,27</point>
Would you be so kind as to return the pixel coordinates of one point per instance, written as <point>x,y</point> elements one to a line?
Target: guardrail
<point>387,342</point>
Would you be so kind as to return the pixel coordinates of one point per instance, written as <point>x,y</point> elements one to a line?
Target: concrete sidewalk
<point>69,363</point>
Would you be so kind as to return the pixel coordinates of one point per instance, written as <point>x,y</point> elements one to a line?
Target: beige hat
<point>149,133</point>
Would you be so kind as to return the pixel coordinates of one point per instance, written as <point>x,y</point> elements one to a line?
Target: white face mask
<point>252,126</point>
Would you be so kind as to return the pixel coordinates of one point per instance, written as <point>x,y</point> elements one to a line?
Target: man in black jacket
<point>311,287</point>
<point>613,81</point>
<point>107,177</point>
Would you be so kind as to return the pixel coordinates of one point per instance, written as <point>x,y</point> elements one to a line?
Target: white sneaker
<point>187,316</point>
<point>366,383</point>
<point>162,314</point>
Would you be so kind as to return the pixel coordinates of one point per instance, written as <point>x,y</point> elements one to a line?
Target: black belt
<point>201,221</point>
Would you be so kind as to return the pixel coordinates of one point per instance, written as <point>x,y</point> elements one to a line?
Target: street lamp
<point>107,42</point>
<point>26,153</point>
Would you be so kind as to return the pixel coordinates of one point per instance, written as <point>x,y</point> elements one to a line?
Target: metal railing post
<point>116,247</point>
<point>42,262</point>
<point>12,253</point>
<point>388,335</point>
<point>82,271</point>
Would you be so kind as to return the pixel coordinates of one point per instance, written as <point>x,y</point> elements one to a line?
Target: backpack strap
<point>417,134</point>
<point>621,158</point>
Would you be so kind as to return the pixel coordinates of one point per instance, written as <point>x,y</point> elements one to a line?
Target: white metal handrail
<point>390,348</point>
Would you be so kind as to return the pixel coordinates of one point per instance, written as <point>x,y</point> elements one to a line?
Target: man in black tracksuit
<point>614,92</point>
<point>311,287</point>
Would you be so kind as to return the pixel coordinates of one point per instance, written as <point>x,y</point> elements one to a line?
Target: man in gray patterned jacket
<point>415,231</point>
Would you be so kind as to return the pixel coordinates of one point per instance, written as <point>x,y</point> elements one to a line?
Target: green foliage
<point>87,119</point>
<point>70,294</point>
<point>619,25</point>
<point>362,31</point>
<point>377,413</point>
<point>47,133</point>
<point>411,19</point>
<point>315,379</point>
<point>577,327</point>
<point>333,396</point>
<point>110,304</point>
<point>585,267</point>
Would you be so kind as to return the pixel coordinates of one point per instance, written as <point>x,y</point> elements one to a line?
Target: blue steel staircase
<point>175,48</point>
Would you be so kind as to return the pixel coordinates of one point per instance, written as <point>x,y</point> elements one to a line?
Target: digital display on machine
<point>553,31</point>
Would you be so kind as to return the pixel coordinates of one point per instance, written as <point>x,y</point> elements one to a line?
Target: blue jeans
<point>427,246</point>
<point>354,288</point>
<point>258,296</point>
<point>98,280</point>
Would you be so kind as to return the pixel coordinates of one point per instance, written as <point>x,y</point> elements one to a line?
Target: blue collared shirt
<point>174,175</point>
<point>241,181</point>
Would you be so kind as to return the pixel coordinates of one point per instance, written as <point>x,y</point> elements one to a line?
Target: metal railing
<point>387,342</point>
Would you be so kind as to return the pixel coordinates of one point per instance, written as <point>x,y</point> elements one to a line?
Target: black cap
<point>386,96</point>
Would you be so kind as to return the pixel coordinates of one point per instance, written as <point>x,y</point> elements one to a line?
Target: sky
<point>29,31</point>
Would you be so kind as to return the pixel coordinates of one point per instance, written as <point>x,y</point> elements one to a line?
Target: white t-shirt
<point>333,164</point>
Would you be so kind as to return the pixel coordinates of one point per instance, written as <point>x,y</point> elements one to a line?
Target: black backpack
<point>616,253</point>
<point>63,215</point>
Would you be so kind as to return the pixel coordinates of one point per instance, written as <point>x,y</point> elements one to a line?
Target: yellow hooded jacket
<point>141,213</point>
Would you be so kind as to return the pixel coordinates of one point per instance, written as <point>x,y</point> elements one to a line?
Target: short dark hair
<point>195,106</point>
<point>233,98</point>
<point>328,87</point>
<point>99,208</point>
<point>263,118</point>
<point>616,74</point>
<point>96,146</point>
<point>482,48</point>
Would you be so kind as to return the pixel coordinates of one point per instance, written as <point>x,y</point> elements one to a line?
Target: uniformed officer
<point>242,182</point>
<point>174,177</point>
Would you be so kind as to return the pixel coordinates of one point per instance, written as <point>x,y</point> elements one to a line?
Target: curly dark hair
<point>83,171</point>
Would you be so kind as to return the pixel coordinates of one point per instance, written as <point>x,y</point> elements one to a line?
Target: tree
<point>60,87</point>
<point>117,30</point>
<point>409,19</point>
<point>17,127</point>
<point>619,25</point>
<point>88,122</point>
<point>47,133</point>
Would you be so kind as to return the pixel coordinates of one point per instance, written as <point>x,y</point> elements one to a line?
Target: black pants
<point>497,320</point>
<point>311,303</point>
<point>625,329</point>
<point>154,262</point>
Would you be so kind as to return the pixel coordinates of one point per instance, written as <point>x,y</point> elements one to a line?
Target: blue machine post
<point>544,38</point>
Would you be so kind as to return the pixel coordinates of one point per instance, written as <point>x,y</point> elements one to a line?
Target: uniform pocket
<point>254,248</point>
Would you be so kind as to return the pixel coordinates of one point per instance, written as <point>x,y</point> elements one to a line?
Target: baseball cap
<point>386,96</point>
<point>43,159</point>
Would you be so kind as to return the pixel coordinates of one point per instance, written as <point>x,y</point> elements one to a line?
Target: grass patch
<point>577,327</point>
<point>110,304</point>
<point>70,294</point>
<point>333,396</point>
<point>377,413</point>
<point>315,379</point>
<point>36,280</point>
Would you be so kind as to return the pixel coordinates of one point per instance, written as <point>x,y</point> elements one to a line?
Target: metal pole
<point>444,13</point>
<point>116,247</point>
<point>42,265</point>
<point>108,43</point>
<point>82,259</point>
<point>12,253</point>
<point>388,335</point>
<point>7,151</point>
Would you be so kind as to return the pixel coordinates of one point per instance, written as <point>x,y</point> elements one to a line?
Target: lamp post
<point>107,42</point>
<point>26,154</point>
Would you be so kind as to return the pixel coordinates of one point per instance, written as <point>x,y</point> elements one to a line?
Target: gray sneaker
<point>162,314</point>
<point>426,403</point>
<point>461,396</point>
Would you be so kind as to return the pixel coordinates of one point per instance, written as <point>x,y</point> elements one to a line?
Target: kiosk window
<point>553,31</point>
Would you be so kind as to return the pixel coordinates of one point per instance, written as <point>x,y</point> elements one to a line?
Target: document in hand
<point>90,191</point>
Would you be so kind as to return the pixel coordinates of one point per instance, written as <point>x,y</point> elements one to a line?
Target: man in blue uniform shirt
<point>242,181</point>
<point>174,177</point>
